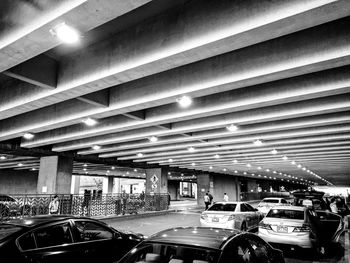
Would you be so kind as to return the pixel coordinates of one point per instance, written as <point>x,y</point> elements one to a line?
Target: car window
<point>246,208</point>
<point>238,251</point>
<point>27,241</point>
<point>250,208</point>
<point>287,214</point>
<point>53,235</point>
<point>223,207</point>
<point>90,231</point>
<point>284,201</point>
<point>155,252</point>
<point>6,230</point>
<point>275,201</point>
<point>261,250</point>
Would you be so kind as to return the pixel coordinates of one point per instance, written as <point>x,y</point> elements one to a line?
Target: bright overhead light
<point>139,154</point>
<point>249,165</point>
<point>170,160</point>
<point>191,149</point>
<point>236,171</point>
<point>299,166</point>
<point>285,158</point>
<point>96,147</point>
<point>184,101</point>
<point>216,156</point>
<point>224,169</point>
<point>274,151</point>
<point>84,165</point>
<point>108,171</point>
<point>193,164</point>
<point>293,162</point>
<point>135,170</point>
<point>33,169</point>
<point>210,167</point>
<point>259,168</point>
<point>89,121</point>
<point>127,173</point>
<point>20,164</point>
<point>232,127</point>
<point>244,172</point>
<point>84,169</point>
<point>153,139</point>
<point>267,170</point>
<point>258,142</point>
<point>2,157</point>
<point>112,167</point>
<point>304,168</point>
<point>235,161</point>
<point>65,33</point>
<point>28,135</point>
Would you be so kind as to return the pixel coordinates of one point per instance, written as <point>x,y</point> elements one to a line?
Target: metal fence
<point>248,196</point>
<point>12,206</point>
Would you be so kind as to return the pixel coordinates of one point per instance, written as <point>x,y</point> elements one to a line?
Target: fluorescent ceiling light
<point>224,169</point>
<point>235,161</point>
<point>285,158</point>
<point>259,168</point>
<point>258,142</point>
<point>65,33</point>
<point>139,154</point>
<point>210,167</point>
<point>28,135</point>
<point>2,157</point>
<point>20,164</point>
<point>184,101</point>
<point>153,139</point>
<point>293,162</point>
<point>89,121</point>
<point>274,151</point>
<point>112,167</point>
<point>216,156</point>
<point>193,164</point>
<point>135,170</point>
<point>96,147</point>
<point>170,160</point>
<point>191,149</point>
<point>232,127</point>
<point>249,165</point>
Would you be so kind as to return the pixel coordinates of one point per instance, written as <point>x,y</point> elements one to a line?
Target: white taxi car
<point>232,215</point>
<point>265,205</point>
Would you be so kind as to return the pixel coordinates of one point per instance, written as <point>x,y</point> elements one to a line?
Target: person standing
<point>54,206</point>
<point>333,206</point>
<point>206,201</point>
<point>225,197</point>
<point>210,198</point>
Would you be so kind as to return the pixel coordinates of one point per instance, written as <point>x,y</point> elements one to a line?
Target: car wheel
<point>4,212</point>
<point>244,226</point>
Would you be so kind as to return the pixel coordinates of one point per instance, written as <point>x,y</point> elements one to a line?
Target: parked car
<point>203,245</point>
<point>268,202</point>
<point>61,238</point>
<point>232,215</point>
<point>302,227</point>
<point>11,207</point>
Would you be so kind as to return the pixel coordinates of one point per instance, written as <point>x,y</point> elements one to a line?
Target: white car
<point>232,215</point>
<point>268,202</point>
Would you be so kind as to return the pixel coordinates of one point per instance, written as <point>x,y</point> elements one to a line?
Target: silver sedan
<point>232,215</point>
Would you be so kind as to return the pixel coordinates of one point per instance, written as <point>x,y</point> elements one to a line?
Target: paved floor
<point>190,217</point>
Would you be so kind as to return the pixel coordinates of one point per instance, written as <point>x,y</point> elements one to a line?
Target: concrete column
<point>117,185</point>
<point>157,181</point>
<point>110,184</point>
<point>204,184</point>
<point>55,175</point>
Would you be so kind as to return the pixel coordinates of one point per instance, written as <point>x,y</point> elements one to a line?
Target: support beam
<point>136,115</point>
<point>40,71</point>
<point>99,98</point>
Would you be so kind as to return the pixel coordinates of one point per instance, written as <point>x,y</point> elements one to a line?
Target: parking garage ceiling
<point>251,88</point>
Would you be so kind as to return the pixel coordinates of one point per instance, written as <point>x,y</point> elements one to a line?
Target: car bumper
<point>294,239</point>
<point>229,224</point>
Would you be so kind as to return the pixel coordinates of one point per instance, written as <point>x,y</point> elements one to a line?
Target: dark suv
<point>11,207</point>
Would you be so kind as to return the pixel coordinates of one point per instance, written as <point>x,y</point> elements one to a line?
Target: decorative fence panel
<point>12,206</point>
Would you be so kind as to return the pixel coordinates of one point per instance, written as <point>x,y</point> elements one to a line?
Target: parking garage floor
<point>190,217</point>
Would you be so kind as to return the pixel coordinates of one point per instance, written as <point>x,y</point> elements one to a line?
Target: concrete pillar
<point>204,184</point>
<point>157,181</point>
<point>117,185</point>
<point>110,184</point>
<point>55,175</point>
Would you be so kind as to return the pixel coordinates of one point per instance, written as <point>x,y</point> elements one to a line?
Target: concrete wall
<point>18,182</point>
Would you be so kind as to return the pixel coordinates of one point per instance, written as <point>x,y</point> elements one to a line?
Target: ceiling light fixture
<point>135,170</point>
<point>89,121</point>
<point>191,149</point>
<point>2,157</point>
<point>274,151</point>
<point>258,142</point>
<point>139,154</point>
<point>96,147</point>
<point>210,167</point>
<point>216,156</point>
<point>193,164</point>
<point>293,162</point>
<point>65,33</point>
<point>170,160</point>
<point>249,165</point>
<point>235,161</point>
<point>224,169</point>
<point>184,101</point>
<point>285,158</point>
<point>153,139</point>
<point>28,135</point>
<point>20,164</point>
<point>112,167</point>
<point>232,127</point>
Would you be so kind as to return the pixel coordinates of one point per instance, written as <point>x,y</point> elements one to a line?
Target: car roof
<point>207,237</point>
<point>272,198</point>
<point>231,202</point>
<point>291,207</point>
<point>42,219</point>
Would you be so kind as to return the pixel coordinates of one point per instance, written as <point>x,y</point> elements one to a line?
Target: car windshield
<point>223,207</point>
<point>160,252</point>
<point>286,214</point>
<point>6,230</point>
<point>270,201</point>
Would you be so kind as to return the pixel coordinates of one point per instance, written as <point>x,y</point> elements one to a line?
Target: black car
<point>62,238</point>
<point>203,245</point>
<point>9,206</point>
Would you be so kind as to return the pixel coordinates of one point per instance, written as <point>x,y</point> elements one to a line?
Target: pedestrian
<point>85,206</point>
<point>225,197</point>
<point>54,206</point>
<point>206,201</point>
<point>210,198</point>
<point>333,206</point>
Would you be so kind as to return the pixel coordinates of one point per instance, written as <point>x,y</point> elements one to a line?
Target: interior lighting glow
<point>65,33</point>
<point>28,135</point>
<point>191,149</point>
<point>184,101</point>
<point>299,166</point>
<point>274,151</point>
<point>236,171</point>
<point>89,121</point>
<point>96,147</point>
<point>135,170</point>
<point>232,127</point>
<point>258,142</point>
<point>33,169</point>
<point>249,165</point>
<point>216,156</point>
<point>193,164</point>
<point>112,167</point>
<point>304,169</point>
<point>224,169</point>
<point>210,167</point>
<point>139,154</point>
<point>170,160</point>
<point>2,157</point>
<point>153,139</point>
<point>285,158</point>
<point>20,164</point>
<point>293,162</point>
<point>259,168</point>
<point>84,165</point>
<point>244,172</point>
<point>235,161</point>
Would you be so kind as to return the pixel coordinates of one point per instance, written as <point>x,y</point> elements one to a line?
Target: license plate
<point>215,219</point>
<point>283,229</point>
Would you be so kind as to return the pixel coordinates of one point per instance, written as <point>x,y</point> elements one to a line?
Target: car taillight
<point>303,228</point>
<point>265,226</point>
<point>231,217</point>
<point>204,216</point>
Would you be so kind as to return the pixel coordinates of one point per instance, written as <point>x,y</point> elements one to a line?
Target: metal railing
<point>248,196</point>
<point>99,205</point>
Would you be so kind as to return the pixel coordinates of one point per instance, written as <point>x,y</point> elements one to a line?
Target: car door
<point>99,241</point>
<point>52,243</point>
<point>332,225</point>
<point>247,215</point>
